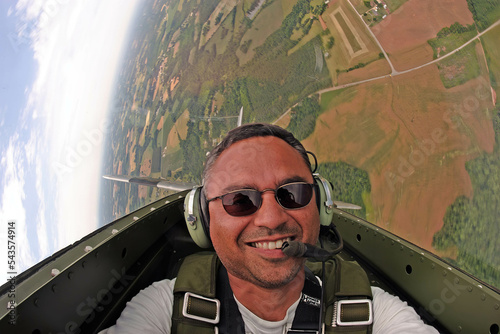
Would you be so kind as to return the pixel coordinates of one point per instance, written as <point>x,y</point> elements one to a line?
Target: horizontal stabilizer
<point>343,205</point>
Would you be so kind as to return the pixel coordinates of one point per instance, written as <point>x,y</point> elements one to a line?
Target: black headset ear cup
<point>196,216</point>
<point>324,199</point>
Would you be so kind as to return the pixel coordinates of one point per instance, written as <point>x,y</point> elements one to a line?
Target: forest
<point>484,12</point>
<point>349,184</point>
<point>304,115</point>
<point>471,224</point>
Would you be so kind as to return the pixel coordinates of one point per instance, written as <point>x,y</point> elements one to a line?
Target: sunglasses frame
<point>221,197</point>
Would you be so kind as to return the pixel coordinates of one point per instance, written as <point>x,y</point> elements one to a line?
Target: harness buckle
<point>201,308</point>
<point>354,312</point>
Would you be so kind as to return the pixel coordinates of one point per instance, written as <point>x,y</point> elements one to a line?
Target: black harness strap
<point>230,317</point>
<point>308,311</point>
<point>306,318</point>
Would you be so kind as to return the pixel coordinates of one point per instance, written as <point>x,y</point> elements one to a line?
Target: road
<point>375,38</point>
<point>394,72</point>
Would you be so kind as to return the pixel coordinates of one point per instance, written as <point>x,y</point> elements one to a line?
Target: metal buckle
<point>185,306</point>
<point>345,302</point>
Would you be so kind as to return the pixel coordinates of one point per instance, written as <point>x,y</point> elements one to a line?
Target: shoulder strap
<point>348,294</point>
<point>196,310</point>
<point>307,314</point>
<point>231,320</point>
<point>347,300</point>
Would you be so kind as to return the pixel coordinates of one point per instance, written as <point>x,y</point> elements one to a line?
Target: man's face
<point>249,246</point>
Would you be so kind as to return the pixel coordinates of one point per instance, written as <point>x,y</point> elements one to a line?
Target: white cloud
<point>77,45</point>
<point>12,207</point>
<point>2,117</point>
<point>45,248</point>
<point>30,148</point>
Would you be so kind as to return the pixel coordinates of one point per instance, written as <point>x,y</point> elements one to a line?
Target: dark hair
<point>249,131</point>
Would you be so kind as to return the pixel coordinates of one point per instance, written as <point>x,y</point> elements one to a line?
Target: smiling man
<point>249,247</point>
<point>258,192</point>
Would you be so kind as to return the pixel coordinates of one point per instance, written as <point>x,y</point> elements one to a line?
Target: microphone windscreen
<point>294,249</point>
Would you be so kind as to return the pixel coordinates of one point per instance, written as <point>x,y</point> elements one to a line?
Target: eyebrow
<point>235,187</point>
<point>292,179</point>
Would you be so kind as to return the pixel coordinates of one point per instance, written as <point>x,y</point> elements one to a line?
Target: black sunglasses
<point>245,202</point>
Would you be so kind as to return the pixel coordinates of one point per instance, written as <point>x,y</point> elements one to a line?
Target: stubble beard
<point>266,280</point>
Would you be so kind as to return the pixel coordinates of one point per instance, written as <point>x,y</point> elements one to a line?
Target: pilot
<point>260,193</point>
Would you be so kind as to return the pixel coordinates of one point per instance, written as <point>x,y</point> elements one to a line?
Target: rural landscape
<point>397,99</point>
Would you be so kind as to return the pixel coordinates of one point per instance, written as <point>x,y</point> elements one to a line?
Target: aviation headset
<point>198,218</point>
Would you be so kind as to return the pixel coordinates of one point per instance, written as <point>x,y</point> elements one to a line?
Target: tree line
<point>471,224</point>
<point>481,11</point>
<point>349,183</point>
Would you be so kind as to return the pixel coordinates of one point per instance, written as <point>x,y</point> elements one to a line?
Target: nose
<point>271,214</point>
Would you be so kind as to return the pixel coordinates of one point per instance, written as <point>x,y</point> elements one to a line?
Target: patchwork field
<point>179,130</point>
<point>199,62</point>
<point>354,46</point>
<point>412,140</point>
<point>407,44</point>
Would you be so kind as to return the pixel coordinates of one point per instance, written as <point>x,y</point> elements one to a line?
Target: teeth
<point>270,244</point>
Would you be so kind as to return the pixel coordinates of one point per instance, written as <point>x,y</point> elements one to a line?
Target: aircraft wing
<point>150,182</point>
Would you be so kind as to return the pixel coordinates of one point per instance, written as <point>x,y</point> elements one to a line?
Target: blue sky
<point>58,62</point>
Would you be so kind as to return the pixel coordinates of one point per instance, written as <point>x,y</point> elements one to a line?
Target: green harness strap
<point>196,309</point>
<point>346,284</point>
<point>197,276</point>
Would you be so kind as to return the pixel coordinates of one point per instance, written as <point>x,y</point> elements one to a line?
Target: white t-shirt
<point>151,312</point>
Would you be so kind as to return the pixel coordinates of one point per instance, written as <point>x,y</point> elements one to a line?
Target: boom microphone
<point>300,249</point>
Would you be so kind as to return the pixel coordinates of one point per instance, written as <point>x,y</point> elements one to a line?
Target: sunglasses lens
<point>295,195</point>
<point>241,203</point>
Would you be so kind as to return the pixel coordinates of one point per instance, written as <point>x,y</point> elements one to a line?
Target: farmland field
<point>408,47</point>
<point>394,102</point>
<point>368,136</point>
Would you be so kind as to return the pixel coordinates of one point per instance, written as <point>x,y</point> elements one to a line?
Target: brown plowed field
<point>407,132</point>
<point>406,43</point>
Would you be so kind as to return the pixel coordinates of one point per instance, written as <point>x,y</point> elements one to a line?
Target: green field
<point>394,4</point>
<point>492,53</point>
<point>460,67</point>
<point>267,22</point>
<point>349,34</point>
<point>451,38</point>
